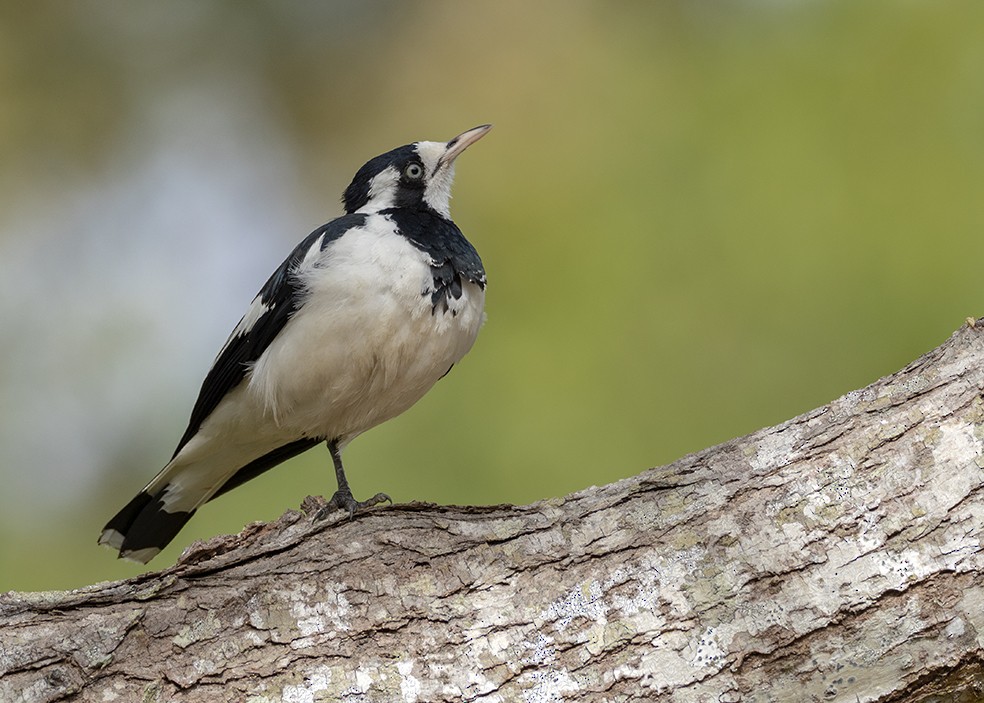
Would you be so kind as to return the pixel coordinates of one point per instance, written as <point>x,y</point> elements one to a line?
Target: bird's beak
<point>462,142</point>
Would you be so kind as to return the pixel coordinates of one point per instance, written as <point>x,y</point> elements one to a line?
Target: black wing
<point>268,313</point>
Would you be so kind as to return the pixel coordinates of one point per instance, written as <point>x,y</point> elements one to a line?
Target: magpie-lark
<point>363,317</point>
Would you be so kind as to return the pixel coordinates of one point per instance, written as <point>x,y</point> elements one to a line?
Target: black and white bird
<point>364,316</point>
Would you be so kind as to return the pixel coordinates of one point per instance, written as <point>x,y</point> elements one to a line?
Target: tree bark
<point>834,557</point>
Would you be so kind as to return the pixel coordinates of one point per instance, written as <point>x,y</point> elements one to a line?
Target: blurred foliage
<point>698,218</point>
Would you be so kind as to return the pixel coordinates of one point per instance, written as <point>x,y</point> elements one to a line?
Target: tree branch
<point>834,557</point>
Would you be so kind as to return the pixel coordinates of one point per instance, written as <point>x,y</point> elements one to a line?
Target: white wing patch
<point>313,254</point>
<point>257,309</point>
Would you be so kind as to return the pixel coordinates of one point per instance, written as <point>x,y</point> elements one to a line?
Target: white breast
<point>366,343</point>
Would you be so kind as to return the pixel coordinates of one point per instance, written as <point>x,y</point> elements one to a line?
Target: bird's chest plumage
<point>379,322</point>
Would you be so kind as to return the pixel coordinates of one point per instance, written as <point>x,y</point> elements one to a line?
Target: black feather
<point>265,462</point>
<point>144,523</point>
<point>441,239</point>
<point>453,258</point>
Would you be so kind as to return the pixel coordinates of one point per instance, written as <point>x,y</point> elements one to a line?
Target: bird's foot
<point>343,500</point>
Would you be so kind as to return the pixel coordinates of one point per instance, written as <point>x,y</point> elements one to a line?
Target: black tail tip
<point>143,528</point>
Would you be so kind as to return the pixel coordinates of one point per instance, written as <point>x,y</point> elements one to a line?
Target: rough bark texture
<point>835,557</point>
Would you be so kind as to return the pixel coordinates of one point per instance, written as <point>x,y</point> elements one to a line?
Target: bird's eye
<point>414,171</point>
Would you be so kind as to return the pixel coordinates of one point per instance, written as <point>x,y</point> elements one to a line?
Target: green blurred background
<point>698,219</point>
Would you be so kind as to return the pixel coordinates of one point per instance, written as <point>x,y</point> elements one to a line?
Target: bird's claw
<point>343,500</point>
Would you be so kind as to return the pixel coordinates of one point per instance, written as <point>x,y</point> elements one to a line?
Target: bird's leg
<point>343,499</point>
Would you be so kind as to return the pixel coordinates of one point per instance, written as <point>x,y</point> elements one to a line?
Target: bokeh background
<point>698,218</point>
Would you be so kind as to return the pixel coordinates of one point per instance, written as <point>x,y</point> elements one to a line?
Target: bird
<point>363,317</point>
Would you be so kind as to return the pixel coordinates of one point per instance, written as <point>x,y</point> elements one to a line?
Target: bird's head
<point>415,175</point>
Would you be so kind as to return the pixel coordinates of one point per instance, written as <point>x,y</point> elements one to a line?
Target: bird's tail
<point>156,514</point>
<point>154,517</point>
<point>143,527</point>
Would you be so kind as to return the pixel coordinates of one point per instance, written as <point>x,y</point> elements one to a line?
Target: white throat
<point>440,176</point>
